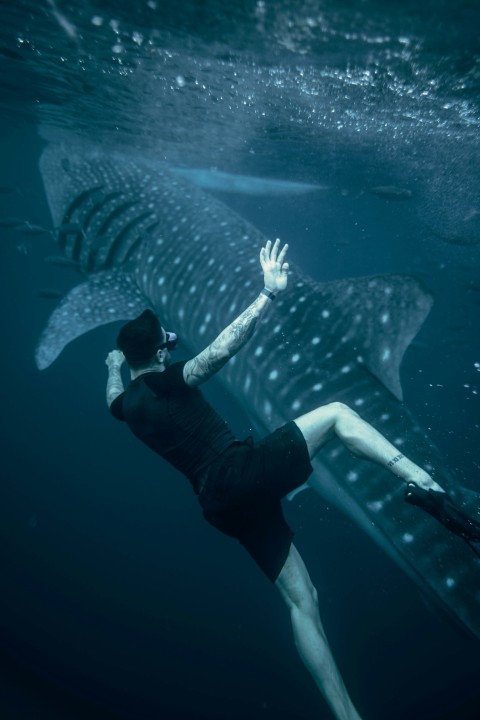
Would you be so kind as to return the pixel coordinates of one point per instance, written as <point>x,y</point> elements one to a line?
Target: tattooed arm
<point>234,337</point>
<point>114,362</point>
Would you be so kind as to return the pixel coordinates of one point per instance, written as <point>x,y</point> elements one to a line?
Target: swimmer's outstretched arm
<point>234,337</point>
<point>114,362</point>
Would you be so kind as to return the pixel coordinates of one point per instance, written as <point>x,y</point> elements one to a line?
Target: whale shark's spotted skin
<point>147,237</point>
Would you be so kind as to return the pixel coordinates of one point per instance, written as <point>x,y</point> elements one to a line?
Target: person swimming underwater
<point>240,484</point>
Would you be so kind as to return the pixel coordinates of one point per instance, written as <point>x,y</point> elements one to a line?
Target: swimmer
<point>240,484</point>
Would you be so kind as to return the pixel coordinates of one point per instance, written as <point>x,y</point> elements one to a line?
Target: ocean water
<point>118,601</point>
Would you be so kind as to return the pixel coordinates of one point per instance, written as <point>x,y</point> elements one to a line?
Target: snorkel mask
<point>170,343</point>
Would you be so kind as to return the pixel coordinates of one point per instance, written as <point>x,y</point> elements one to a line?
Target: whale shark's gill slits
<point>76,248</point>
<point>113,216</point>
<point>120,248</point>
<point>97,208</point>
<point>100,242</point>
<point>82,199</point>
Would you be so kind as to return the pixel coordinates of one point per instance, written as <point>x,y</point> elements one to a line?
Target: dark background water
<point>118,600</point>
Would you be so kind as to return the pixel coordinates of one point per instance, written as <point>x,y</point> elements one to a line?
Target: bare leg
<point>300,596</point>
<point>320,425</point>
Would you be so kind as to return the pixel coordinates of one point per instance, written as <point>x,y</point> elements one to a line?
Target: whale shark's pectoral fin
<point>106,297</point>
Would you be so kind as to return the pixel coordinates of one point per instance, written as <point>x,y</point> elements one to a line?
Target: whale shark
<point>147,237</point>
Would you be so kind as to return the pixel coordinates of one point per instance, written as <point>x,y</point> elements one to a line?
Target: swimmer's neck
<point>136,373</point>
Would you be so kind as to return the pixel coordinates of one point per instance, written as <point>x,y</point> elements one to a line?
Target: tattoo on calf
<point>395,460</point>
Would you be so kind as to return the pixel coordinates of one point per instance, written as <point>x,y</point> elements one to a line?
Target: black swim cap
<point>139,338</point>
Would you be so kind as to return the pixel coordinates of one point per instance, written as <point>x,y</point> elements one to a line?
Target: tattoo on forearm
<point>229,342</point>
<point>395,460</point>
<point>114,384</point>
<point>206,364</point>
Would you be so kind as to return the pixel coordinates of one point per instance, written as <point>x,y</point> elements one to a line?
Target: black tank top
<point>174,420</point>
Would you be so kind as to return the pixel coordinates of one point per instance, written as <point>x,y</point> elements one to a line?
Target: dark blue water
<point>117,600</point>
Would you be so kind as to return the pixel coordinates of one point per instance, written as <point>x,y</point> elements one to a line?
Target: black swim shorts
<point>242,492</point>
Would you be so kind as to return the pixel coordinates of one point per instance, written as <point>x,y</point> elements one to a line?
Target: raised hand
<point>115,358</point>
<point>274,269</point>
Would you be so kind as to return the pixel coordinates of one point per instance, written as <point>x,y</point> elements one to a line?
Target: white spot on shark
<point>161,280</point>
<point>315,340</point>
<point>277,329</point>
<point>325,313</point>
<point>450,582</point>
<point>375,505</point>
<point>407,538</point>
<point>352,476</point>
<point>359,402</point>
<point>222,287</point>
<point>296,405</point>
<point>273,375</point>
<point>258,351</point>
<point>248,382</point>
<point>386,354</point>
<point>385,318</point>
<point>346,369</point>
<point>317,387</point>
<point>295,358</point>
<point>267,408</point>
<point>385,417</point>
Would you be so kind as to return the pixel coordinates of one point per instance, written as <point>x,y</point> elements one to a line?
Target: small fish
<point>457,238</point>
<point>11,222</point>
<point>24,248</point>
<point>471,214</point>
<point>391,192</point>
<point>60,261</point>
<point>48,294</point>
<point>33,230</point>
